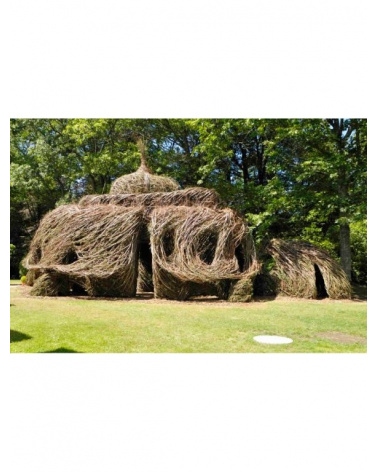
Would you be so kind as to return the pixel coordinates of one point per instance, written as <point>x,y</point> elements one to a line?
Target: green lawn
<point>15,282</point>
<point>79,325</point>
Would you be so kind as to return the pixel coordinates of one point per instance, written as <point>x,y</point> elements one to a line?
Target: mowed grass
<point>136,326</point>
<point>15,282</point>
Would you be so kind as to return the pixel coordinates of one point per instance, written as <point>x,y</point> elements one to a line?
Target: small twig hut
<point>304,270</point>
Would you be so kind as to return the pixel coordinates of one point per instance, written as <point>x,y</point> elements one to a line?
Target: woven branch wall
<point>148,235</point>
<point>298,266</point>
<point>108,248</point>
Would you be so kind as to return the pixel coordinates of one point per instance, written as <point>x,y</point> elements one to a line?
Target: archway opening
<point>321,290</point>
<point>145,281</point>
<point>239,254</point>
<point>77,289</point>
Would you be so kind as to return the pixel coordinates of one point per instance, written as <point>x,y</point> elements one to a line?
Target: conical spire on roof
<point>143,180</point>
<point>143,156</point>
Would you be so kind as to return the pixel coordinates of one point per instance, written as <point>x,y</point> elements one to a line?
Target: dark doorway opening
<point>239,254</point>
<point>145,282</point>
<point>320,285</point>
<point>77,289</point>
<point>265,285</point>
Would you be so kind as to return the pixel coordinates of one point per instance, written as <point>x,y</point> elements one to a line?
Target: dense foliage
<point>292,178</point>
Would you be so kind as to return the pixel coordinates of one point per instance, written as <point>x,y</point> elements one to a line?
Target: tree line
<point>291,178</point>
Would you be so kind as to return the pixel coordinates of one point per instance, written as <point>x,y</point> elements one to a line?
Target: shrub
<point>22,270</point>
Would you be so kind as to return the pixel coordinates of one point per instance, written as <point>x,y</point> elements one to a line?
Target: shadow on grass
<point>60,350</point>
<point>16,336</point>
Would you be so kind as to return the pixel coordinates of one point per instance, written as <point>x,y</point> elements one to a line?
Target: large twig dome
<point>148,235</point>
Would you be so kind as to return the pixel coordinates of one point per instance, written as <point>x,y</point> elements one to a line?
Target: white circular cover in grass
<point>272,340</point>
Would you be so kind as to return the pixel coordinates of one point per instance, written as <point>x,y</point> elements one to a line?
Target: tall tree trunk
<point>92,181</point>
<point>261,164</point>
<point>245,166</point>
<point>345,251</point>
<point>339,127</point>
<point>344,231</point>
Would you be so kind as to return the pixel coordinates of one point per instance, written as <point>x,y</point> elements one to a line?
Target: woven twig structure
<point>304,270</point>
<point>175,251</point>
<point>148,235</point>
<point>196,247</point>
<point>94,248</point>
<point>175,243</point>
<point>196,196</point>
<point>142,181</point>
